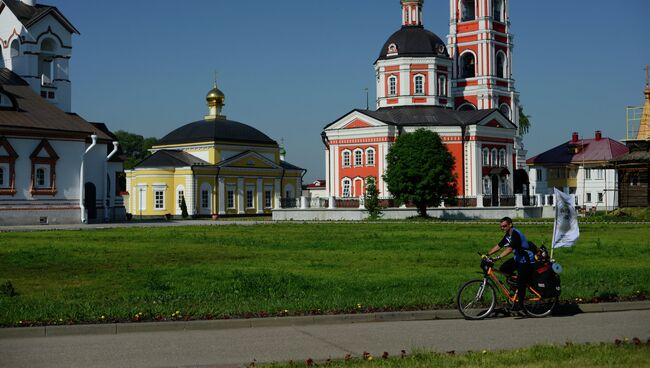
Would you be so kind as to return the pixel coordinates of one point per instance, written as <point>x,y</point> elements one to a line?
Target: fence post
<point>479,200</point>
<point>539,200</point>
<point>519,200</point>
<point>362,202</point>
<point>332,203</point>
<point>303,202</point>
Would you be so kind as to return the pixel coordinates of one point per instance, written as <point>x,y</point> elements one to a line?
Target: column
<point>240,196</point>
<point>479,200</point>
<point>260,199</point>
<point>222,196</point>
<point>519,200</point>
<point>277,200</point>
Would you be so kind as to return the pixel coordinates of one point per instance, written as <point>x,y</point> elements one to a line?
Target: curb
<point>223,324</point>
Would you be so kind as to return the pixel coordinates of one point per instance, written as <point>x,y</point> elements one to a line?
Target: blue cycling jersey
<point>520,247</point>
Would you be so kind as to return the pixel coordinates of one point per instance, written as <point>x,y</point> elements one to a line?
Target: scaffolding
<point>633,115</point>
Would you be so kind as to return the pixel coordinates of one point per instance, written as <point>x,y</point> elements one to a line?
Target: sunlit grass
<point>280,269</point>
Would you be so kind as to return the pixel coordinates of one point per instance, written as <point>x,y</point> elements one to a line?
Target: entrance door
<point>495,190</point>
<point>90,200</point>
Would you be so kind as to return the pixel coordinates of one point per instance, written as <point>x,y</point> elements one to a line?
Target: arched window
<point>180,195</point>
<point>15,48</point>
<point>45,61</point>
<point>486,157</point>
<point>370,157</point>
<point>392,85</point>
<point>505,110</point>
<point>442,85</point>
<point>502,158</point>
<point>346,184</point>
<point>466,107</point>
<point>467,65</point>
<point>468,10</point>
<point>418,82</point>
<point>346,158</point>
<point>486,185</point>
<point>358,157</point>
<point>494,157</point>
<point>501,65</point>
<point>497,10</point>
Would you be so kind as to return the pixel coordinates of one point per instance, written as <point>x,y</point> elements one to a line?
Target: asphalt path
<point>241,346</point>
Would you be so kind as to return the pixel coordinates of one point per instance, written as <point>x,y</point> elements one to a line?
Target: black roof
<point>29,15</point>
<point>289,166</point>
<point>414,41</point>
<point>170,158</point>
<point>215,130</point>
<point>426,116</point>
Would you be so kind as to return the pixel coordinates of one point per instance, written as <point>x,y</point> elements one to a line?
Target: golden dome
<point>215,95</point>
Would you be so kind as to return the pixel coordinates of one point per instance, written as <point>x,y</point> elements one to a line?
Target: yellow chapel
<point>218,167</point>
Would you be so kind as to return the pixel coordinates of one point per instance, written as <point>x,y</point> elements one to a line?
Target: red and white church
<point>463,91</point>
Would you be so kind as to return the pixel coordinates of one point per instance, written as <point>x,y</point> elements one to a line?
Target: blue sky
<point>290,68</point>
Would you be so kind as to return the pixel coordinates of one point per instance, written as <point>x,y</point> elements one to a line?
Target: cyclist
<point>523,261</point>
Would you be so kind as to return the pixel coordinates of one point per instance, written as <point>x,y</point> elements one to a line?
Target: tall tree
<point>419,170</point>
<point>372,198</point>
<point>134,146</point>
<point>524,121</point>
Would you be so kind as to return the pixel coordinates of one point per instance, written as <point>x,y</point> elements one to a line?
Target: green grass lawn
<point>592,356</point>
<point>279,269</point>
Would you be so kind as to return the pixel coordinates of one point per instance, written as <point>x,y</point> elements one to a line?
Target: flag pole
<point>554,221</point>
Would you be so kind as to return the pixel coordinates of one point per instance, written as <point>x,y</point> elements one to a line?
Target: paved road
<point>237,347</point>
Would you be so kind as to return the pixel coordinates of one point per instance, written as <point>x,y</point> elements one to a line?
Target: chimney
<point>574,137</point>
<point>599,135</point>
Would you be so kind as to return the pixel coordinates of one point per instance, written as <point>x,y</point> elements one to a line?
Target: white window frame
<point>502,157</point>
<point>588,197</point>
<point>504,65</point>
<point>205,198</point>
<point>442,85</point>
<point>158,198</point>
<point>358,157</point>
<point>392,86</point>
<point>268,196</point>
<point>601,197</point>
<point>370,157</point>
<point>346,185</point>
<point>487,183</point>
<point>250,196</point>
<point>45,169</point>
<point>486,157</point>
<point>346,158</point>
<point>4,176</point>
<point>587,174</point>
<point>142,197</point>
<point>494,159</point>
<point>231,189</point>
<point>418,79</point>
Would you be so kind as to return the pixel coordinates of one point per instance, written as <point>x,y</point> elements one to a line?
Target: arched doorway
<point>90,200</point>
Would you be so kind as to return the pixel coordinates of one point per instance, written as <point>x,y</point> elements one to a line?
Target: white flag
<point>565,230</point>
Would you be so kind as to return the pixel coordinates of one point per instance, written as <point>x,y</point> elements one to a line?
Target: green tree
<point>524,121</point>
<point>419,170</point>
<point>372,198</point>
<point>134,146</point>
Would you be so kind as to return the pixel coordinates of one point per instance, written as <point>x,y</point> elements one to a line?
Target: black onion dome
<point>215,130</point>
<point>414,41</point>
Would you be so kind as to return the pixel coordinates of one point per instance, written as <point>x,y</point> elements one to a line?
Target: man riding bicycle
<point>523,261</point>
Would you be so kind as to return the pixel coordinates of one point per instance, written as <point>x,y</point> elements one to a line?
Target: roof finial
<point>647,76</point>
<point>215,78</point>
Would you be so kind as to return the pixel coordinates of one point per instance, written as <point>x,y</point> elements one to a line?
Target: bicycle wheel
<point>539,307</point>
<point>476,299</point>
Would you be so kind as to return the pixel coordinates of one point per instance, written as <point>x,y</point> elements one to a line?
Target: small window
<point>468,65</point>
<point>2,177</point>
<point>501,65</point>
<point>159,199</point>
<point>41,178</point>
<point>494,157</point>
<point>346,158</point>
<point>497,10</point>
<point>205,199</point>
<point>370,157</point>
<point>442,85</point>
<point>588,174</point>
<point>419,84</point>
<point>346,188</point>
<point>486,186</point>
<point>502,158</point>
<point>268,196</point>
<point>468,10</point>
<point>392,86</point>
<point>486,157</point>
<point>588,197</point>
<point>505,110</point>
<point>230,196</point>
<point>181,195</point>
<point>250,197</point>
<point>358,158</point>
<point>600,197</point>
